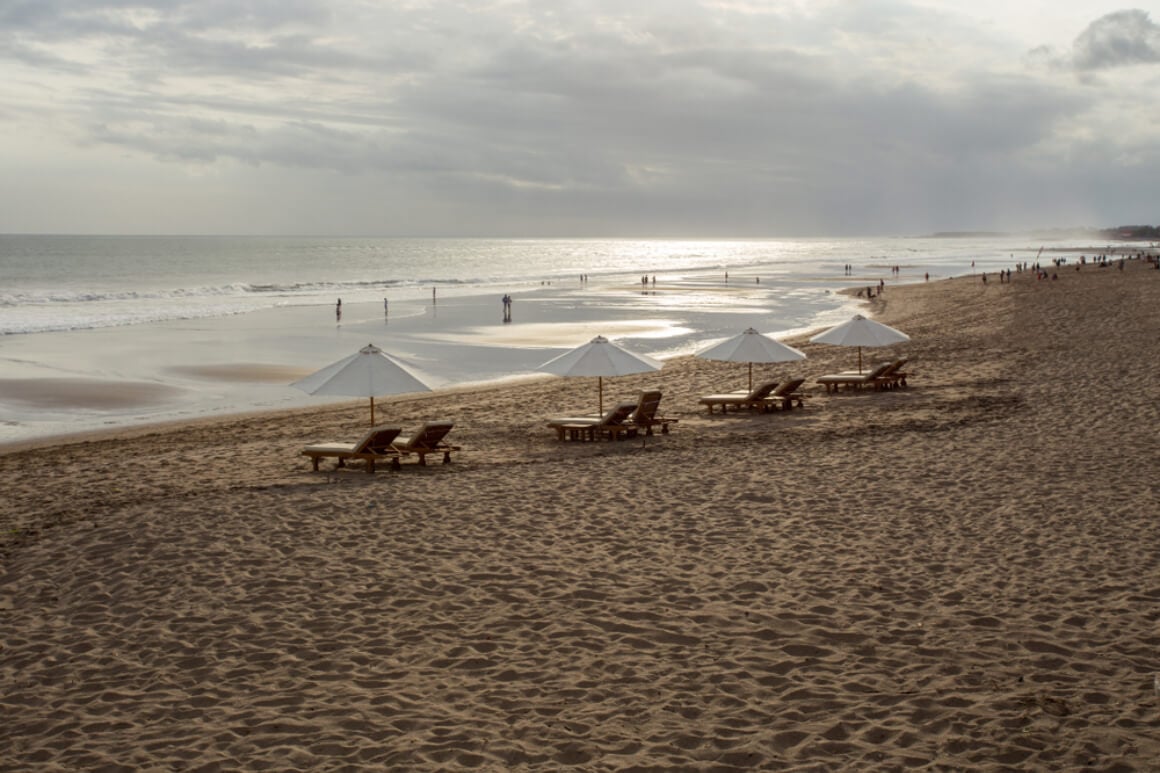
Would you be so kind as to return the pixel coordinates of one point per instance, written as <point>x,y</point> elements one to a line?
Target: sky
<point>570,118</point>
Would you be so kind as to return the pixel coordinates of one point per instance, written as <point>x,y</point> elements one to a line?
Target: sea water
<point>51,283</point>
<point>151,309</point>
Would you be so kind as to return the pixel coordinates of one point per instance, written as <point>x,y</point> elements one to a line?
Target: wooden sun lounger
<point>428,439</point>
<point>374,447</point>
<point>740,398</point>
<point>834,381</point>
<point>647,414</point>
<point>785,396</point>
<point>893,377</point>
<point>613,424</point>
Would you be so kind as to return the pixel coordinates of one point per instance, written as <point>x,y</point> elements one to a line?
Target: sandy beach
<point>960,575</point>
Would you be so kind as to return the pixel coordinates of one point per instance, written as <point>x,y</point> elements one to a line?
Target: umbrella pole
<point>859,359</point>
<point>600,393</point>
<point>751,377</point>
<point>372,411</point>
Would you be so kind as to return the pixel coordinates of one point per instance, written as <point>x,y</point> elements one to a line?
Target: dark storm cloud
<point>1121,38</point>
<point>60,19</point>
<point>157,37</point>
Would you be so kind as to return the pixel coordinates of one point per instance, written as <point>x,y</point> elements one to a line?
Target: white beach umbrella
<point>368,372</point>
<point>599,357</point>
<point>860,332</point>
<point>750,347</point>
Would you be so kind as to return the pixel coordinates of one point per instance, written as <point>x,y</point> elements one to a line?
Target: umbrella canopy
<point>599,357</point>
<point>751,346</point>
<point>368,372</point>
<point>860,332</point>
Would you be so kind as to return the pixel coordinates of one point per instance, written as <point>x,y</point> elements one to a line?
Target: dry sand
<point>961,575</point>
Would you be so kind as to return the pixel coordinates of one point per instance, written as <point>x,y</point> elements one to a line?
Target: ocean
<point>185,326</point>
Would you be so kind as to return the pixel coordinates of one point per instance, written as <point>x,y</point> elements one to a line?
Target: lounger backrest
<point>894,367</point>
<point>647,406</point>
<point>788,387</point>
<point>762,391</point>
<point>428,436</point>
<point>878,371</point>
<point>618,414</point>
<point>378,440</point>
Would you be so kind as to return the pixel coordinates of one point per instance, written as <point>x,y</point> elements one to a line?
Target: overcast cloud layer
<point>569,118</point>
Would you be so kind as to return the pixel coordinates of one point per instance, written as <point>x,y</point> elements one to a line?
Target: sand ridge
<point>960,575</point>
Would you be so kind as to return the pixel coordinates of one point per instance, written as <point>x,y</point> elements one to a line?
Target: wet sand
<point>959,575</point>
<point>83,393</point>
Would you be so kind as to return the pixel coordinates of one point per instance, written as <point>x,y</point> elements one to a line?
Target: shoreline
<point>957,575</point>
<point>250,372</point>
<point>60,382</point>
<point>245,372</point>
<point>137,376</point>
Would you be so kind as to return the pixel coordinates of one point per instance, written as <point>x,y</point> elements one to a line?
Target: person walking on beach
<point>507,308</point>
<point>338,311</point>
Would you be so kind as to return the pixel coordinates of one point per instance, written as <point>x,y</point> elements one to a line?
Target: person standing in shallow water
<point>338,311</point>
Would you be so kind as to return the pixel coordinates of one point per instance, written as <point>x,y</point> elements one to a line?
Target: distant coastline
<point>1123,233</point>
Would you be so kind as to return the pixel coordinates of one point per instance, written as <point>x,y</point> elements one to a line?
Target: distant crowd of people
<point>870,291</point>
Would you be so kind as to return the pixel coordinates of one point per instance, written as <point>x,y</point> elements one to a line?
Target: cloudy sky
<point>677,118</point>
